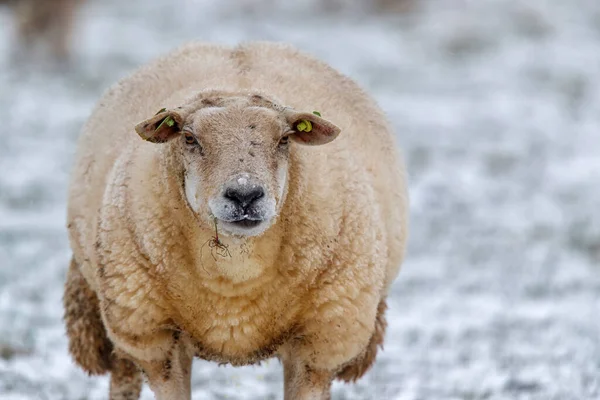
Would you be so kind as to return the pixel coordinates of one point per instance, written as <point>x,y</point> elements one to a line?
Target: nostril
<point>244,197</point>
<point>258,193</point>
<point>231,194</point>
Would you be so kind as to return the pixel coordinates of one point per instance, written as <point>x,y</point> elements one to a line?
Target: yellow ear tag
<point>304,126</point>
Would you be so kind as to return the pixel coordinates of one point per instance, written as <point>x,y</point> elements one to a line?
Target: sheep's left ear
<point>164,126</point>
<point>310,128</point>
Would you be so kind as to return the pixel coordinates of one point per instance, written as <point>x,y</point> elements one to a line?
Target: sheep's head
<point>235,152</point>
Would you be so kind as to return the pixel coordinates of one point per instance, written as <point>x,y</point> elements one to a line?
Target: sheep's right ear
<point>164,126</point>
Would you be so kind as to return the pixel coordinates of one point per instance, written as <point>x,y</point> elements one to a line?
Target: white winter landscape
<point>496,106</point>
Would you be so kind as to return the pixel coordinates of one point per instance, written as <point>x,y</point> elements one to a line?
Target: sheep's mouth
<point>245,223</point>
<point>242,222</point>
<point>243,226</point>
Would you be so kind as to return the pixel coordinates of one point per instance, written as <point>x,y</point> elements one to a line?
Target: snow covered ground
<point>496,104</point>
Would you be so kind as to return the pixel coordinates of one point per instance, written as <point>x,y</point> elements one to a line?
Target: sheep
<point>45,21</point>
<point>240,228</point>
<point>395,6</point>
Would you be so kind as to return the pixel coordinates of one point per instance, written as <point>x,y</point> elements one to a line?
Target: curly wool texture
<point>310,290</point>
<point>359,366</point>
<point>88,343</point>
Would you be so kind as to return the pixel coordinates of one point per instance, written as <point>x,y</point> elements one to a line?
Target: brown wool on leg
<point>302,382</point>
<point>170,378</point>
<point>88,343</point>
<point>125,380</point>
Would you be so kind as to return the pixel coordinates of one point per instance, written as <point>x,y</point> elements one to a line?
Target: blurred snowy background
<point>496,104</point>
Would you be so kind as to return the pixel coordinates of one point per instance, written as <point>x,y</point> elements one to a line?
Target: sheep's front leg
<point>302,382</point>
<point>125,380</point>
<point>332,334</point>
<point>169,376</point>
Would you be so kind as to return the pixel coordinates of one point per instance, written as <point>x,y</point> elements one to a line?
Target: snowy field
<point>496,104</point>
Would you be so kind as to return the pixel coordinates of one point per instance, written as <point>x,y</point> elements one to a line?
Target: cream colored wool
<point>308,290</point>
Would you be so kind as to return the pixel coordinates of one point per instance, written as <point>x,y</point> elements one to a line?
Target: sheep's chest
<point>241,309</point>
<point>240,331</point>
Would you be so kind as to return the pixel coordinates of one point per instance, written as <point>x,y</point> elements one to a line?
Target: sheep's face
<point>235,154</point>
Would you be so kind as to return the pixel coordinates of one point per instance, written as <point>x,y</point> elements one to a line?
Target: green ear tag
<point>169,121</point>
<point>304,126</point>
<point>318,114</point>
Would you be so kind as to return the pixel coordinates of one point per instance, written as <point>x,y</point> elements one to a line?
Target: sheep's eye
<point>284,140</point>
<point>190,139</point>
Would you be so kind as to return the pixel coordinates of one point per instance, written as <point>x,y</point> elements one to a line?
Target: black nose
<point>244,196</point>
